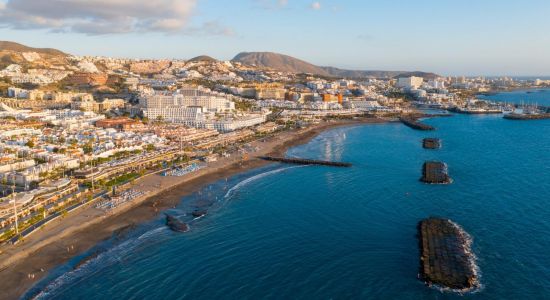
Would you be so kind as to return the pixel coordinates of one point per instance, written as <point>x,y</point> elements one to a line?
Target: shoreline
<point>77,233</point>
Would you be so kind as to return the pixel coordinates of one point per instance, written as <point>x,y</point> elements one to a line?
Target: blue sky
<point>483,37</point>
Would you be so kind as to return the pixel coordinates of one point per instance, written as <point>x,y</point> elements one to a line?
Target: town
<point>80,131</point>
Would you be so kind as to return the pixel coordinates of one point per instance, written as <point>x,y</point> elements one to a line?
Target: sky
<point>449,37</point>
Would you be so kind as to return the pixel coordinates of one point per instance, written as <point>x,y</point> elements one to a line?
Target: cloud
<point>100,16</point>
<point>316,5</point>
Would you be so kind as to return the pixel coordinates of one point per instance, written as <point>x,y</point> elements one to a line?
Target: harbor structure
<point>302,161</point>
<point>446,258</point>
<point>431,143</point>
<point>415,124</point>
<point>435,172</point>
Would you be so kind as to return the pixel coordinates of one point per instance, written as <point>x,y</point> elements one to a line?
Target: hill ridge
<point>16,47</point>
<point>286,63</point>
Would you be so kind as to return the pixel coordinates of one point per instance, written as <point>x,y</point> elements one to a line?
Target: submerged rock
<point>199,213</point>
<point>175,224</point>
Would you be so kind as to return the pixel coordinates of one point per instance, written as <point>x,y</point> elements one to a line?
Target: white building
<point>412,82</point>
<point>363,105</point>
<point>436,83</point>
<point>14,92</point>
<point>209,102</point>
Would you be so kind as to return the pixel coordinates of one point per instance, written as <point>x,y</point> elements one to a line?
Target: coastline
<point>68,237</point>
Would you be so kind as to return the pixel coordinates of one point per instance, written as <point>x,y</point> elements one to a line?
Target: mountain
<point>285,63</point>
<point>15,47</point>
<point>279,62</point>
<point>205,58</point>
<point>418,74</point>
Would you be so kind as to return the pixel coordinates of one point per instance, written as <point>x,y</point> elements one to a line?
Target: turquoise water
<point>287,232</point>
<point>534,96</point>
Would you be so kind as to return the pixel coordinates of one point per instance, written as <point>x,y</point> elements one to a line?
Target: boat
<point>474,110</point>
<point>528,112</point>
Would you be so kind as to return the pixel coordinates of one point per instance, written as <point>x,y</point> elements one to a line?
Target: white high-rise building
<point>412,82</point>
<point>210,103</point>
<point>437,83</point>
<point>197,108</point>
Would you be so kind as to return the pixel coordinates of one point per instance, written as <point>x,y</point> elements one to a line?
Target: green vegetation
<point>87,148</point>
<point>244,105</point>
<point>40,161</point>
<point>123,179</point>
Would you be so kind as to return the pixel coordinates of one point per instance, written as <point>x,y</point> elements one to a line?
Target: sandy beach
<point>24,264</point>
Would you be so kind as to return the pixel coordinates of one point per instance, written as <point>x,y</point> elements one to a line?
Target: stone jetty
<point>516,116</point>
<point>415,124</point>
<point>431,143</point>
<point>446,259</point>
<point>302,161</point>
<point>435,172</point>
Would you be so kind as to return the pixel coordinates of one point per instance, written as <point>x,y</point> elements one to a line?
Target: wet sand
<point>68,237</point>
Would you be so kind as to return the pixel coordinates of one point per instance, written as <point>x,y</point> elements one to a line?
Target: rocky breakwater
<point>435,172</point>
<point>431,143</point>
<point>518,116</point>
<point>413,123</point>
<point>446,258</point>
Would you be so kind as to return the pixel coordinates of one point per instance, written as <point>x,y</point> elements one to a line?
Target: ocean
<point>293,232</point>
<point>533,96</point>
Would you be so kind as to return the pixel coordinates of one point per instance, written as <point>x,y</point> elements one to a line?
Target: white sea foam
<point>254,178</point>
<point>152,232</point>
<point>118,252</point>
<point>104,259</point>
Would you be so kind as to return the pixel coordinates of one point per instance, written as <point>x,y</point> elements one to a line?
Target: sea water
<point>528,97</point>
<point>313,232</point>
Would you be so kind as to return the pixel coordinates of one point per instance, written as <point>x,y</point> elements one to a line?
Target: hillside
<point>279,62</point>
<point>14,53</point>
<point>203,58</point>
<point>285,63</point>
<point>15,47</point>
<point>29,57</point>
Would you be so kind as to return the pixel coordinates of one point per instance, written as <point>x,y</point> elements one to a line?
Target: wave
<point>243,183</point>
<point>152,232</point>
<point>90,264</point>
<point>116,253</point>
